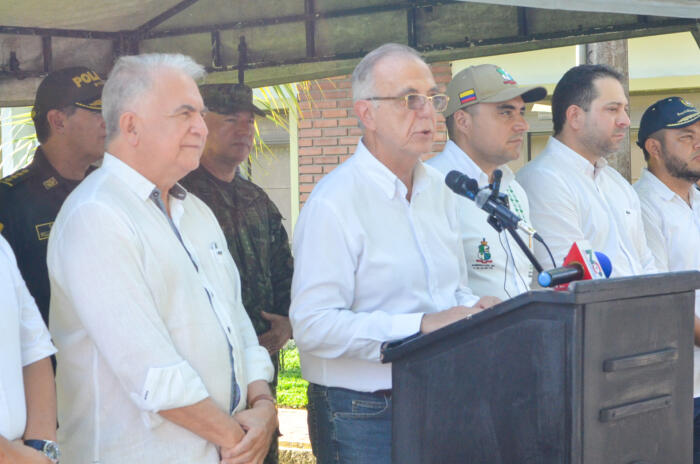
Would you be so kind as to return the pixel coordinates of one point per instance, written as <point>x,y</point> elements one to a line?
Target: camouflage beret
<point>229,98</point>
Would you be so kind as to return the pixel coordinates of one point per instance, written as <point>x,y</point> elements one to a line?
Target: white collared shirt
<point>673,233</point>
<point>24,340</point>
<point>367,265</point>
<point>573,201</point>
<point>140,329</point>
<point>490,255</point>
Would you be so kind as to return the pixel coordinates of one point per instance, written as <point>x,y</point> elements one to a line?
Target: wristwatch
<point>48,447</point>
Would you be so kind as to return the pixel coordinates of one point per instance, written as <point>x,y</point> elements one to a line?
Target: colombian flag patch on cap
<point>467,96</point>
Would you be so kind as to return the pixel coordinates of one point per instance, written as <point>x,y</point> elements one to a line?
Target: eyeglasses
<point>415,101</point>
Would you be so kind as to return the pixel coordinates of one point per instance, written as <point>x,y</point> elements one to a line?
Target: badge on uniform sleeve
<point>42,230</point>
<point>2,226</point>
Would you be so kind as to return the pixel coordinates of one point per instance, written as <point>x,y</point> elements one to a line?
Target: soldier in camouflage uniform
<point>250,221</point>
<point>69,126</point>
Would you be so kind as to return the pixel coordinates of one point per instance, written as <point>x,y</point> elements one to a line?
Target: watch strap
<point>36,444</point>
<point>47,447</point>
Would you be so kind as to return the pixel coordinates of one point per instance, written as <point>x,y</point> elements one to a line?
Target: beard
<point>678,168</point>
<point>600,144</point>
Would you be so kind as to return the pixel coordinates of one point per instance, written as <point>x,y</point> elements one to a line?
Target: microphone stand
<point>496,223</point>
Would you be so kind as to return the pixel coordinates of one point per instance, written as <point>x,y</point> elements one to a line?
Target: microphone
<point>465,186</point>
<point>580,264</point>
<point>484,200</point>
<point>462,184</point>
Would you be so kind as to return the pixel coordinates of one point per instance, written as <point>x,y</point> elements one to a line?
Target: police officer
<point>251,222</point>
<point>71,133</point>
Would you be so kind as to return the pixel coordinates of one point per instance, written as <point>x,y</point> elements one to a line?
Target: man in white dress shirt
<point>27,389</point>
<point>377,257</point>
<point>158,357</point>
<point>574,195</point>
<point>669,135</point>
<point>486,126</point>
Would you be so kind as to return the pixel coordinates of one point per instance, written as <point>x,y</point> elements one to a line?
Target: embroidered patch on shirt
<point>484,261</point>
<point>42,230</point>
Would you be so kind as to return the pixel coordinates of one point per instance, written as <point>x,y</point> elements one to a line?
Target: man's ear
<point>463,121</point>
<point>130,127</point>
<point>56,119</point>
<point>575,117</point>
<point>364,110</point>
<point>653,147</point>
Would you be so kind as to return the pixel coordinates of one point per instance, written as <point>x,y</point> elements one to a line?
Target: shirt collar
<point>48,174</point>
<point>387,181</point>
<point>135,181</point>
<point>222,188</point>
<point>660,189</point>
<point>461,161</point>
<point>576,160</point>
<point>666,193</point>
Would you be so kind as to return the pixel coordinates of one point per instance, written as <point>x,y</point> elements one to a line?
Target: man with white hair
<point>157,354</point>
<point>378,257</point>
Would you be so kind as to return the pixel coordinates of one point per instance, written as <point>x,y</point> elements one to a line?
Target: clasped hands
<point>259,424</point>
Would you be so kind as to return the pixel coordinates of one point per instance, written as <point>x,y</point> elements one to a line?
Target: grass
<point>291,388</point>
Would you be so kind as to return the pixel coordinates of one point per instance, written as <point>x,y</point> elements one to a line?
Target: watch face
<point>51,451</point>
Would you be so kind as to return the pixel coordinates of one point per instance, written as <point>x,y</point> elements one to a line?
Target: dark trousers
<point>349,427</point>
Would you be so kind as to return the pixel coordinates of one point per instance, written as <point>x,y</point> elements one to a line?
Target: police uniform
<point>31,197</point>
<point>29,202</point>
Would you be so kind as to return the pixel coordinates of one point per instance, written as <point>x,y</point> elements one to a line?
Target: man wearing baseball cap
<point>251,222</point>
<point>486,127</point>
<point>669,136</point>
<point>71,133</point>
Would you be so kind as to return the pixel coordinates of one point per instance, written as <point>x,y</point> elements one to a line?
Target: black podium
<point>599,374</point>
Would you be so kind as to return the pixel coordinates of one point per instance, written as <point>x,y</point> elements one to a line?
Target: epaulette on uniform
<point>16,178</point>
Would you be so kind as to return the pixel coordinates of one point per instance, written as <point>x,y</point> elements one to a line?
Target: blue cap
<point>669,113</point>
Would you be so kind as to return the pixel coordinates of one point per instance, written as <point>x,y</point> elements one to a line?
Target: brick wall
<point>329,131</point>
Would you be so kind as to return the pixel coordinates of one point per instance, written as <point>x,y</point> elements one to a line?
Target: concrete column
<point>614,54</point>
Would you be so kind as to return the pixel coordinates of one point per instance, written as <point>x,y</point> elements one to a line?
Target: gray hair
<point>363,75</point>
<point>133,76</point>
